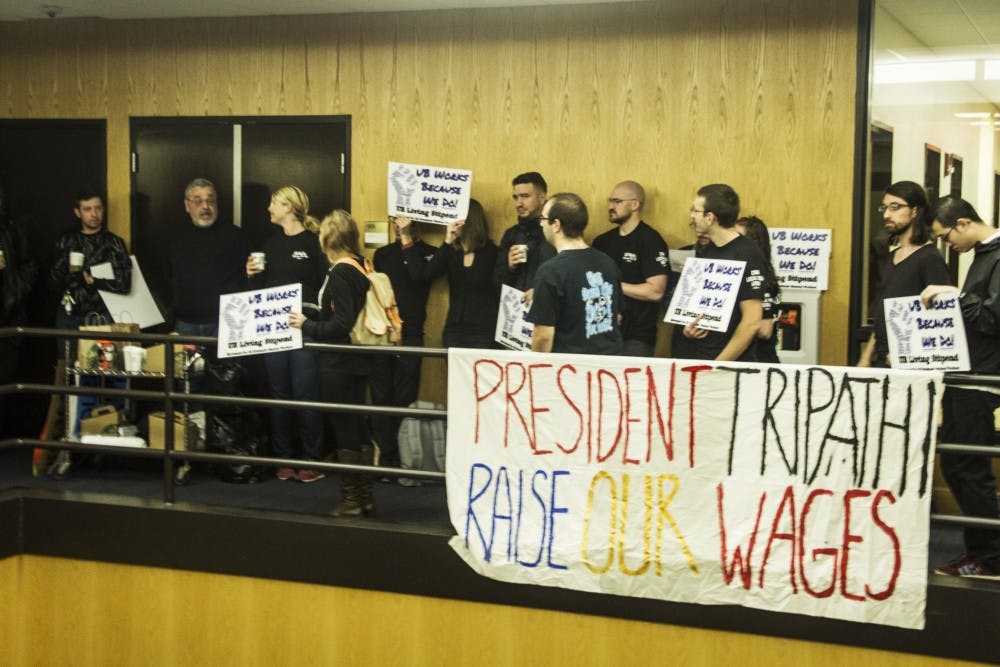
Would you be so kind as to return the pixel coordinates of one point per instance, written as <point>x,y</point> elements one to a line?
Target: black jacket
<point>97,249</point>
<point>980,301</point>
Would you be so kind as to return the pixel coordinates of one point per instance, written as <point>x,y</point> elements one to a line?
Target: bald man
<point>642,256</point>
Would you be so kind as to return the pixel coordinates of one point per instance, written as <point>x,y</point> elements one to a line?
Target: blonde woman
<point>293,256</point>
<point>343,375</point>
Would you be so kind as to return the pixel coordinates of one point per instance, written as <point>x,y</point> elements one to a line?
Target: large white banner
<point>787,488</point>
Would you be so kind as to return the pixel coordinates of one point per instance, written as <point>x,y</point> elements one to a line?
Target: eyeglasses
<point>209,201</point>
<point>944,237</point>
<point>615,202</point>
<point>698,210</point>
<point>542,217</point>
<point>892,208</point>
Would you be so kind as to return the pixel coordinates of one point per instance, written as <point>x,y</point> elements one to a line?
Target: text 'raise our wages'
<point>743,480</point>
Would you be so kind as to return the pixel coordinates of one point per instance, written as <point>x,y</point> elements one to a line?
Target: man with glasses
<point>714,212</point>
<point>205,260</point>
<point>968,414</point>
<point>577,294</point>
<point>642,256</point>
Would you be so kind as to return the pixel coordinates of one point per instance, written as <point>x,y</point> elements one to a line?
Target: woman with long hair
<point>765,345</point>
<point>468,257</point>
<point>913,264</point>
<point>343,375</point>
<point>293,256</point>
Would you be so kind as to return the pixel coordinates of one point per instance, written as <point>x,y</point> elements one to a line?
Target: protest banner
<point>513,329</point>
<point>429,194</point>
<point>707,288</point>
<point>255,322</point>
<point>801,489</point>
<point>801,257</point>
<point>926,338</point>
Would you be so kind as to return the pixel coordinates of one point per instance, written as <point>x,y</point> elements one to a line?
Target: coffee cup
<point>75,260</point>
<point>135,358</point>
<point>258,260</point>
<point>522,252</point>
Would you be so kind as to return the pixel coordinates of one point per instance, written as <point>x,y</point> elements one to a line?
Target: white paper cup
<point>135,358</point>
<point>258,260</point>
<point>522,249</point>
<point>75,261</point>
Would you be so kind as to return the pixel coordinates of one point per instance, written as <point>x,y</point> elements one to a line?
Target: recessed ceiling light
<point>925,72</point>
<point>973,114</point>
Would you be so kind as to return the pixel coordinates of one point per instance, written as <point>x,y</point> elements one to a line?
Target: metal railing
<point>170,395</point>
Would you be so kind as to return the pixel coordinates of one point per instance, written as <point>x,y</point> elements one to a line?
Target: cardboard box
<point>156,359</point>
<point>100,418</point>
<point>182,426</point>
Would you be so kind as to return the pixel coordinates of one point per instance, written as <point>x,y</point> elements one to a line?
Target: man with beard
<point>642,256</point>
<point>523,248</point>
<point>913,265</point>
<point>205,260</point>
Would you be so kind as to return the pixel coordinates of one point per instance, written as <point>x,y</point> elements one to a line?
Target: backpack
<point>422,442</point>
<point>378,322</point>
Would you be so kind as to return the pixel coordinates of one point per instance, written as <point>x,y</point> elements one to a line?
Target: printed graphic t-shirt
<point>579,293</point>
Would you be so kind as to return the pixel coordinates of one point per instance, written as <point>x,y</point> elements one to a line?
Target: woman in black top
<point>913,265</point>
<point>765,346</point>
<point>468,256</point>
<point>343,375</point>
<point>293,256</point>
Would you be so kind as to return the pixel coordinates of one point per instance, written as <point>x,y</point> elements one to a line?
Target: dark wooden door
<point>43,164</point>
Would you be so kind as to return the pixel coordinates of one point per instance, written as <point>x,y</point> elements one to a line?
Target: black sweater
<point>203,263</point>
<point>473,298</point>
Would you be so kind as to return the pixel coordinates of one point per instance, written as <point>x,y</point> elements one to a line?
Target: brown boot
<point>366,483</point>
<point>351,500</point>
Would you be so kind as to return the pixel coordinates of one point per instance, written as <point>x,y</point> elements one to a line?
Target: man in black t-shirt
<point>395,380</point>
<point>641,255</point>
<point>714,212</point>
<point>577,297</point>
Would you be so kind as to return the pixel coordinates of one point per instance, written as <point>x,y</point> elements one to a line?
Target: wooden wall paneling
<point>757,94</point>
<point>89,613</point>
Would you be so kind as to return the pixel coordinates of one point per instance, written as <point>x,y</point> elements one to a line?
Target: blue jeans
<point>294,374</point>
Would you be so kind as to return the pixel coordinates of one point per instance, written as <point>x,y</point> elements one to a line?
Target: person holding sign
<point>714,212</point>
<point>968,414</point>
<point>293,256</point>
<point>395,379</point>
<point>523,248</point>
<point>577,294</point>
<point>912,266</point>
<point>343,375</point>
<point>641,255</point>
<point>468,257</point>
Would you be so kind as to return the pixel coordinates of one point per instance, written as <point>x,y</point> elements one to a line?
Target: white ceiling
<point>927,31</point>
